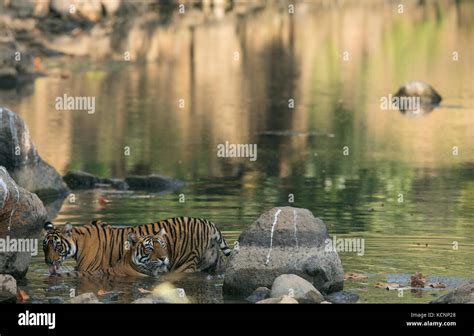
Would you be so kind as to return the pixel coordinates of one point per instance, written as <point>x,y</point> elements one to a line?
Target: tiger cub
<point>193,244</point>
<point>146,256</point>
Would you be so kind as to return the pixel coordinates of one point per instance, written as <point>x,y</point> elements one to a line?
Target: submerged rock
<point>22,216</point>
<point>261,293</point>
<point>8,289</point>
<point>462,294</point>
<point>342,297</point>
<point>76,179</point>
<point>153,182</point>
<point>19,156</point>
<point>283,240</point>
<point>85,298</point>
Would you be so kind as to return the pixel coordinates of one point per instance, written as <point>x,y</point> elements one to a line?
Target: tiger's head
<point>149,254</point>
<point>58,245</point>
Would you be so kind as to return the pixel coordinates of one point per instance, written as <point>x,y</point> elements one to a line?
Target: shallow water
<point>300,150</point>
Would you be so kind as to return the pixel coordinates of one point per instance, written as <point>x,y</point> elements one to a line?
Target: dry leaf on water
<point>101,292</point>
<point>438,285</point>
<point>417,280</point>
<point>103,201</point>
<point>387,286</point>
<point>21,295</point>
<point>354,276</point>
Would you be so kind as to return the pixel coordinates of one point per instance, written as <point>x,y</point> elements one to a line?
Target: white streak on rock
<point>295,216</point>
<point>14,136</point>
<point>4,194</point>
<point>271,236</point>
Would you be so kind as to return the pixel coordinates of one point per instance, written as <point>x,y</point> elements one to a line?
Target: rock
<point>296,247</point>
<point>85,298</point>
<point>342,297</point>
<point>165,293</point>
<point>281,299</point>
<point>295,287</point>
<point>80,180</point>
<point>8,289</point>
<point>22,216</point>
<point>427,94</point>
<point>153,182</point>
<point>19,156</point>
<point>88,9</point>
<point>55,300</point>
<point>462,294</point>
<point>13,71</point>
<point>111,6</point>
<point>30,7</point>
<point>261,293</point>
<point>118,184</point>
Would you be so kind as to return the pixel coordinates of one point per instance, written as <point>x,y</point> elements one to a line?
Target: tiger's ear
<point>132,238</point>
<point>67,229</point>
<point>48,226</point>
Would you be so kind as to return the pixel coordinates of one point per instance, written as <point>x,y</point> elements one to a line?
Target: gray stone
<point>76,179</point>
<point>342,297</point>
<point>55,300</point>
<point>30,7</point>
<point>153,182</point>
<point>19,156</point>
<point>88,9</point>
<point>295,287</point>
<point>261,293</point>
<point>462,294</point>
<point>8,289</point>
<point>278,300</point>
<point>85,298</point>
<point>297,246</point>
<point>13,72</point>
<point>22,216</point>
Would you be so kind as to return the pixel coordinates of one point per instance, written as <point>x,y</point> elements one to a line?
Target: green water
<point>400,187</point>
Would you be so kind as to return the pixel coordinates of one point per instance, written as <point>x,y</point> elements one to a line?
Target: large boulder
<point>22,216</point>
<point>19,156</point>
<point>284,240</point>
<point>462,294</point>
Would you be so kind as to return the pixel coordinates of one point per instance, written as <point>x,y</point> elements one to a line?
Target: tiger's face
<point>57,246</point>
<point>149,254</point>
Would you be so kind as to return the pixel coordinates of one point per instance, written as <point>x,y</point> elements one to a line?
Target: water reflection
<point>336,151</point>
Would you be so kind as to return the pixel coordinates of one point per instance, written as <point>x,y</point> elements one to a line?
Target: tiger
<point>146,256</point>
<point>193,244</point>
